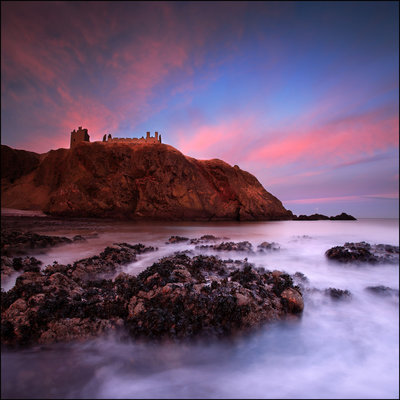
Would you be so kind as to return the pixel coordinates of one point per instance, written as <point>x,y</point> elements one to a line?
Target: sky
<point>303,95</point>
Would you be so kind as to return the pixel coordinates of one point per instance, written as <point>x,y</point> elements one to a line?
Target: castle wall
<point>148,139</point>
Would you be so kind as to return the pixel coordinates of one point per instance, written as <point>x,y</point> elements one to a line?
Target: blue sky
<point>304,95</point>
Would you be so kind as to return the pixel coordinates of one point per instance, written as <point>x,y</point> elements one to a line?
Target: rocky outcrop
<point>316,217</point>
<point>363,252</point>
<point>15,242</point>
<point>177,297</point>
<point>16,163</point>
<point>343,217</point>
<point>147,181</point>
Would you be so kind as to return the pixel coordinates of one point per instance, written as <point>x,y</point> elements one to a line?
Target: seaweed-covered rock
<point>177,297</point>
<point>106,264</point>
<point>176,239</point>
<point>206,239</point>
<point>338,294</point>
<point>228,246</point>
<point>364,252</point>
<point>18,243</point>
<point>183,297</point>
<point>268,246</point>
<point>10,266</point>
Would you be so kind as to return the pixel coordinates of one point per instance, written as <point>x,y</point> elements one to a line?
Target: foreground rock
<point>147,181</point>
<point>363,252</point>
<point>177,297</point>
<point>316,217</point>
<point>18,243</point>
<point>10,266</point>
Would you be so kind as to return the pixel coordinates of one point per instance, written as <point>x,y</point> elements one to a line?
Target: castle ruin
<point>81,135</point>
<point>147,139</point>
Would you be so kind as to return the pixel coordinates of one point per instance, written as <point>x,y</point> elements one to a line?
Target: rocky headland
<point>146,181</point>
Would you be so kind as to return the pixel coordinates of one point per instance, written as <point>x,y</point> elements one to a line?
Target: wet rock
<point>294,301</point>
<point>299,276</point>
<point>176,239</point>
<point>7,268</point>
<point>381,290</point>
<point>338,294</point>
<point>207,239</point>
<point>184,297</point>
<point>16,243</point>
<point>268,246</point>
<point>106,264</point>
<point>364,252</point>
<point>228,246</point>
<point>177,297</point>
<point>301,281</point>
<point>65,330</point>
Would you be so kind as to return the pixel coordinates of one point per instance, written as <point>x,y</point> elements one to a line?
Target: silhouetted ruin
<point>81,135</point>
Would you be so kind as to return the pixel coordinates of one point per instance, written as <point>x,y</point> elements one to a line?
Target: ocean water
<point>338,349</point>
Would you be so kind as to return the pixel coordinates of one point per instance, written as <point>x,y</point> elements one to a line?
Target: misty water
<point>337,349</point>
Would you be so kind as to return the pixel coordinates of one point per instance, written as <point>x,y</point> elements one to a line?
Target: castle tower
<point>156,136</point>
<point>81,135</point>
<point>147,135</point>
<point>159,138</point>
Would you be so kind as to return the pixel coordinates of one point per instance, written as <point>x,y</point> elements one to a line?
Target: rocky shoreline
<point>181,296</point>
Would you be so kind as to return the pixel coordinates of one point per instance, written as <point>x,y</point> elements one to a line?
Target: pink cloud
<point>321,200</point>
<point>224,136</point>
<point>122,77</point>
<point>331,142</point>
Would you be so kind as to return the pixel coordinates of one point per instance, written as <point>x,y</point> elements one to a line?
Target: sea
<point>346,348</point>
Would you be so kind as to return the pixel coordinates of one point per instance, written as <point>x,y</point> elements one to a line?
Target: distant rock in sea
<point>316,217</point>
<point>146,181</point>
<point>363,252</point>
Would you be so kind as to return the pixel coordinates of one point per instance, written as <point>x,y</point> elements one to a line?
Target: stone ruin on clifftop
<point>81,135</point>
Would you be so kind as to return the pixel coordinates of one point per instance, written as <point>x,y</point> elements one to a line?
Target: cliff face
<point>149,181</point>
